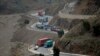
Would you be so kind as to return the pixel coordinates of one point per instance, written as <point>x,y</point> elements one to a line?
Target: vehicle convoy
<point>46,27</point>
<point>45,42</point>
<point>42,26</point>
<point>39,25</point>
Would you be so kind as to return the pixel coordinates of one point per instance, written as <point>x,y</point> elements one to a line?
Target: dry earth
<point>11,33</point>
<point>7,29</point>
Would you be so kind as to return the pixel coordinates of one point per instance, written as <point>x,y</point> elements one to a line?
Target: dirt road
<point>73,16</point>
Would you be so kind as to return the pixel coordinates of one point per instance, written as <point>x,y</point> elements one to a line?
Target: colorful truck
<point>48,43</point>
<point>41,41</point>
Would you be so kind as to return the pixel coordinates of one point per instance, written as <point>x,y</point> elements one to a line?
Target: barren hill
<point>21,6</point>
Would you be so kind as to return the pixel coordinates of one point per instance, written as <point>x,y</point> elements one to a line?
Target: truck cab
<point>48,43</point>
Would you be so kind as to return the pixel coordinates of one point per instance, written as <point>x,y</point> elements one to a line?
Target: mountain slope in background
<point>21,6</point>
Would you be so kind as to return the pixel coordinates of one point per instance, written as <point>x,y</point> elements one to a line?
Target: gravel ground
<point>7,27</point>
<point>30,36</point>
<point>10,33</point>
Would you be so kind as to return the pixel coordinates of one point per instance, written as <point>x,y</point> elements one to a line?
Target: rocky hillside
<point>65,23</point>
<point>83,7</point>
<point>87,7</point>
<point>83,38</point>
<point>84,35</point>
<point>21,6</point>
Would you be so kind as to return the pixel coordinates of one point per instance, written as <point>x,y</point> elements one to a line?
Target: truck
<point>48,43</point>
<point>40,42</point>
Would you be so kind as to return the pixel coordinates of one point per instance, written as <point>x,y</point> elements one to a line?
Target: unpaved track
<point>73,16</point>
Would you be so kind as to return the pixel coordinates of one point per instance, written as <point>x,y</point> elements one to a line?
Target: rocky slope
<point>83,37</point>
<point>87,7</point>
<point>65,23</point>
<point>21,6</point>
<point>82,7</point>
